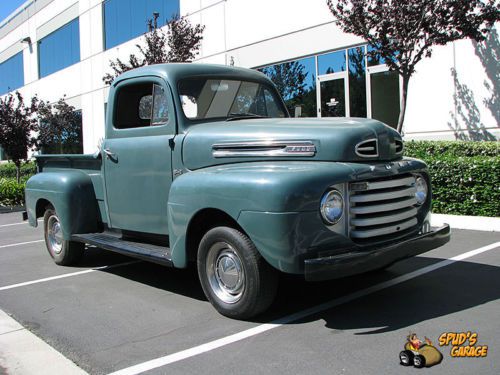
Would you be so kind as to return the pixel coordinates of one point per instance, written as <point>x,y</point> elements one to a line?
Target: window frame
<point>168,127</point>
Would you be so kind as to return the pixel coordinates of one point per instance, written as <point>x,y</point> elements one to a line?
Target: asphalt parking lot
<point>115,318</point>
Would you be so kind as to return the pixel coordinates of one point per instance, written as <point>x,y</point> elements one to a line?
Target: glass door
<point>333,98</point>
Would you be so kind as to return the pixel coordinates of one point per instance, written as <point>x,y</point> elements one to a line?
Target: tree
<point>180,43</point>
<point>60,128</point>
<point>17,124</point>
<point>403,32</point>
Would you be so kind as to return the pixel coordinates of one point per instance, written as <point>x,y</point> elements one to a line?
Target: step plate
<point>112,242</point>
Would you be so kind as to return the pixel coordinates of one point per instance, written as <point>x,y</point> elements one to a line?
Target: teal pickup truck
<point>201,164</point>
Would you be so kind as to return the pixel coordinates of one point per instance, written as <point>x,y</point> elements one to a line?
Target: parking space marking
<point>184,354</point>
<point>23,223</point>
<point>20,243</point>
<point>67,275</point>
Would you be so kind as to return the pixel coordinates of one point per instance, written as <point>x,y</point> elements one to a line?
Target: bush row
<point>11,192</point>
<point>8,170</point>
<point>424,149</point>
<point>465,176</point>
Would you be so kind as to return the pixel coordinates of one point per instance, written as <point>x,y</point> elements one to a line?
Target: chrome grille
<point>384,207</point>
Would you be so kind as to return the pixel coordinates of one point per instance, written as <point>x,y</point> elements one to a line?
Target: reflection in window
<point>204,98</point>
<point>331,63</point>
<point>69,138</point>
<point>127,19</point>
<point>295,82</point>
<point>59,49</point>
<point>160,106</point>
<point>11,73</point>
<point>374,59</point>
<point>357,82</point>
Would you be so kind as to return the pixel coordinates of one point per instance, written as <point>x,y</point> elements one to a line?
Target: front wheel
<point>64,253</point>
<point>235,278</point>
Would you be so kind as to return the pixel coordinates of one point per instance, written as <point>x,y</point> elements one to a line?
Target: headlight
<point>332,206</point>
<point>422,189</point>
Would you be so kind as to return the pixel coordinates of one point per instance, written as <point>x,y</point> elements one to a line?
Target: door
<point>332,95</point>
<point>137,155</point>
<point>383,94</point>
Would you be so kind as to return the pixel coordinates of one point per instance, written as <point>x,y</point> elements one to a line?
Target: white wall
<point>249,33</point>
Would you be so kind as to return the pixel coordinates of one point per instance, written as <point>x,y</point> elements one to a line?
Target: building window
<point>296,83</point>
<point>59,49</point>
<point>127,19</point>
<point>357,82</point>
<point>12,73</point>
<point>67,140</point>
<point>3,156</point>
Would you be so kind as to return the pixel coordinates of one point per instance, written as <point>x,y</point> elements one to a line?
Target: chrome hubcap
<point>225,272</point>
<point>54,234</point>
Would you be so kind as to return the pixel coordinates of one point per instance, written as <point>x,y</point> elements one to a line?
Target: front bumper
<point>356,262</point>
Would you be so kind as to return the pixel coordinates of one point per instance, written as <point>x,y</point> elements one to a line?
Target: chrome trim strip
<point>264,148</point>
<point>361,147</point>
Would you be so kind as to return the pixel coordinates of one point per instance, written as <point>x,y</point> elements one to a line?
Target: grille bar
<point>394,228</point>
<point>393,194</point>
<point>408,213</point>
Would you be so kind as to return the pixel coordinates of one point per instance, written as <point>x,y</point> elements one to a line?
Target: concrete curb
<point>487,224</point>
<point>21,352</point>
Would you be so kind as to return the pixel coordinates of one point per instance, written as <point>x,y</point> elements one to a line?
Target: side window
<point>140,105</point>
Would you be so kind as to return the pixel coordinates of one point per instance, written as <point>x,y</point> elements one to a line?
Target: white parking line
<point>179,356</point>
<point>67,275</point>
<point>23,223</point>
<point>20,243</point>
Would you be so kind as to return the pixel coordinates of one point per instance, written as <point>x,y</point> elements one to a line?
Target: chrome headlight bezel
<point>328,197</point>
<point>422,189</point>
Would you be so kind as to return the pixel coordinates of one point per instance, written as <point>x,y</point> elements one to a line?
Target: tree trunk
<point>404,97</point>
<point>18,172</point>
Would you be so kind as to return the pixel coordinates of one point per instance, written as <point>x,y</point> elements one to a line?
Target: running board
<point>112,242</point>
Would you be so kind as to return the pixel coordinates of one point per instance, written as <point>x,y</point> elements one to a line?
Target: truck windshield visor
<point>207,98</point>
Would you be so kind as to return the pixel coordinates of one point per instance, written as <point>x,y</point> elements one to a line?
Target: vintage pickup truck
<point>202,164</point>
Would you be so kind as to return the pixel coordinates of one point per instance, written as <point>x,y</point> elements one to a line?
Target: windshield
<point>206,98</point>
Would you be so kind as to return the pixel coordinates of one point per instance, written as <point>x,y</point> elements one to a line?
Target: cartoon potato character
<point>419,353</point>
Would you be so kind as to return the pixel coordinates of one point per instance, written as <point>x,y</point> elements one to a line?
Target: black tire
<point>419,361</point>
<point>64,253</point>
<point>237,281</point>
<point>406,358</point>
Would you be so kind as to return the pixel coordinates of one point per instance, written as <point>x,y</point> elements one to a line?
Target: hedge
<point>11,192</point>
<point>8,170</point>
<point>465,175</point>
<point>426,149</point>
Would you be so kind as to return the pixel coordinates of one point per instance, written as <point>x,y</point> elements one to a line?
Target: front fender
<point>72,194</point>
<point>279,187</point>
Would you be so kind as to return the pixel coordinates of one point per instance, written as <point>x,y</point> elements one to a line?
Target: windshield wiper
<point>233,116</point>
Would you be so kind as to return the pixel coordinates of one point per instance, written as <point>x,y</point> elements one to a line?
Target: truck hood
<point>326,139</point>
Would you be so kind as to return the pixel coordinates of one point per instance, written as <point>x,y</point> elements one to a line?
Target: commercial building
<point>63,47</point>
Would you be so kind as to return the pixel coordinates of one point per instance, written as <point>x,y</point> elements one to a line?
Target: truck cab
<point>202,165</point>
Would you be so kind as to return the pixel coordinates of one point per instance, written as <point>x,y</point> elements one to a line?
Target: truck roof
<point>175,71</point>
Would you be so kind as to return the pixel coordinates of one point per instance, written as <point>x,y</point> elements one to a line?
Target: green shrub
<point>465,175</point>
<point>11,192</point>
<point>424,149</point>
<point>8,170</point>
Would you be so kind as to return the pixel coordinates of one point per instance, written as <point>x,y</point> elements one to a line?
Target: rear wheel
<point>64,253</point>
<point>235,278</point>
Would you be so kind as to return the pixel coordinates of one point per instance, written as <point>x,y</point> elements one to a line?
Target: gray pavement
<point>115,318</point>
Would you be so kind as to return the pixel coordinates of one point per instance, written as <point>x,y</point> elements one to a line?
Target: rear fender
<point>72,195</point>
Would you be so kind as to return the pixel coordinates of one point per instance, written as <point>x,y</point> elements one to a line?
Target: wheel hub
<point>55,235</point>
<point>225,272</point>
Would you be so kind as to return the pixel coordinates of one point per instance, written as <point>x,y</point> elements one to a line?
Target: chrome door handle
<point>109,154</point>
